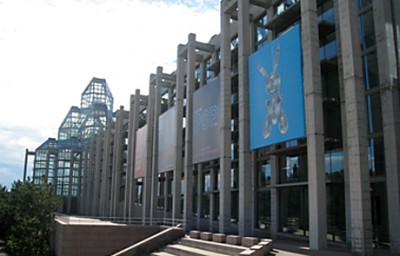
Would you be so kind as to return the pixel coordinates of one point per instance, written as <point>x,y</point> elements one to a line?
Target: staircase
<point>187,246</point>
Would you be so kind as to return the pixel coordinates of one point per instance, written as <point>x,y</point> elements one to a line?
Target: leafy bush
<point>26,213</point>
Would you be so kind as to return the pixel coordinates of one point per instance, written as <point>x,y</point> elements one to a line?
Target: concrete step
<point>226,249</point>
<point>183,250</point>
<point>162,254</point>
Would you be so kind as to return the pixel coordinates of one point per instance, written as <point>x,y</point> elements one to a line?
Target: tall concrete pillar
<point>188,166</point>
<point>225,122</point>
<point>106,173</point>
<point>344,129</point>
<point>389,90</point>
<point>212,199</point>
<point>199,194</point>
<point>147,181</point>
<point>97,174</point>
<point>274,160</point>
<point>89,173</point>
<point>130,176</point>
<point>314,125</point>
<point>154,175</point>
<point>177,174</point>
<point>117,161</point>
<point>245,171</point>
<point>356,120</point>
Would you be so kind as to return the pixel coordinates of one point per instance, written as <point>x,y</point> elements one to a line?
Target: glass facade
<point>60,162</point>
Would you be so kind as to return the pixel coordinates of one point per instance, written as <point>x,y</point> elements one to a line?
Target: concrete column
<point>130,177</point>
<point>388,76</point>
<point>165,180</point>
<point>97,174</point>
<point>314,125</point>
<point>170,97</point>
<point>203,73</point>
<point>157,111</point>
<point>274,160</point>
<point>190,83</point>
<point>199,194</point>
<point>225,124</point>
<point>117,160</point>
<point>147,181</point>
<point>106,173</point>
<point>177,175</point>
<point>270,16</point>
<point>212,199</point>
<point>356,120</point>
<point>344,130</point>
<point>396,20</point>
<point>245,173</point>
<point>89,196</point>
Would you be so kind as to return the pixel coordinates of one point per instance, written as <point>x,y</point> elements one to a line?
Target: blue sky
<point>50,50</point>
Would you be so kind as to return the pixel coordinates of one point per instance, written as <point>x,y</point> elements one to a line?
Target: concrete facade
<point>339,183</point>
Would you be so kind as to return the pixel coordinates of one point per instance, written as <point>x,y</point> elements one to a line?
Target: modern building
<point>286,124</point>
<point>59,162</point>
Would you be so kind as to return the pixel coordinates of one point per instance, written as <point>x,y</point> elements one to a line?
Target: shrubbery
<point>26,213</point>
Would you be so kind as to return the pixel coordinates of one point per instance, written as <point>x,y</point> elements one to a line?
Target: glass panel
<point>336,215</point>
<point>380,220</point>
<point>367,31</point>
<point>264,174</point>
<point>371,75</point>
<point>334,166</point>
<point>234,206</point>
<point>376,158</point>
<point>374,113</point>
<point>293,210</point>
<point>206,182</point>
<point>264,210</point>
<point>293,169</point>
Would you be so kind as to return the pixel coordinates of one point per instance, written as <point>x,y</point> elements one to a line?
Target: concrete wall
<point>97,240</point>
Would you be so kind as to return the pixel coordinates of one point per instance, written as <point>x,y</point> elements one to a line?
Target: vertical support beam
<point>356,120</point>
<point>199,194</point>
<point>147,192</point>
<point>389,90</point>
<point>97,174</point>
<point>104,191</point>
<point>314,125</point>
<point>245,173</point>
<point>396,30</point>
<point>133,126</point>
<point>177,175</point>
<point>344,126</point>
<point>188,200</point>
<point>225,123</point>
<point>154,175</point>
<point>25,164</point>
<point>212,199</point>
<point>274,195</point>
<point>117,160</point>
<point>203,73</point>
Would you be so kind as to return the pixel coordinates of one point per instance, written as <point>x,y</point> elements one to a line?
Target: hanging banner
<point>167,140</point>
<point>276,91</point>
<point>141,153</point>
<point>206,115</point>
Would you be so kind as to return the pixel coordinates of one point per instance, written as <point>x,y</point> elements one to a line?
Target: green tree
<point>4,211</point>
<point>32,210</point>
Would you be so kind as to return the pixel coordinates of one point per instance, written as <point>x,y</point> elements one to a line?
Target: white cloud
<point>50,50</point>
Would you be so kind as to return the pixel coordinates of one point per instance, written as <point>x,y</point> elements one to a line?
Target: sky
<point>51,49</point>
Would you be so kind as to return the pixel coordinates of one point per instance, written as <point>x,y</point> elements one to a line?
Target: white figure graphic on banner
<point>275,113</point>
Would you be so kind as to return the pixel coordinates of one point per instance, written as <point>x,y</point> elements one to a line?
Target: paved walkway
<point>284,247</point>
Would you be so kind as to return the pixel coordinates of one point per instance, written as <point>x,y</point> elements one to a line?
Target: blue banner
<point>276,91</point>
<point>206,114</point>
